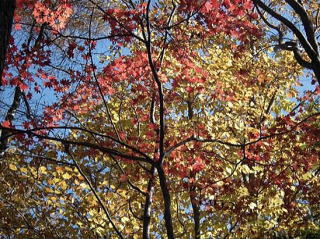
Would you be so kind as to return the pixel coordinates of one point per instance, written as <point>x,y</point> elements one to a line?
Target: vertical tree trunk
<point>167,202</point>
<point>9,117</point>
<point>7,8</point>
<point>196,213</point>
<point>316,70</point>
<point>147,207</point>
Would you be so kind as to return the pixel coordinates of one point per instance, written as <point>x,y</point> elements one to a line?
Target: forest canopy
<point>159,119</point>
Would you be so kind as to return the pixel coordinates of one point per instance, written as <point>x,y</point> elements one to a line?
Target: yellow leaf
<point>306,176</point>
<point>63,185</point>
<point>48,190</point>
<point>229,104</point>
<point>68,169</point>
<point>66,176</point>
<point>43,169</point>
<point>84,186</point>
<point>23,170</point>
<point>53,198</point>
<point>125,219</point>
<point>12,167</point>
<point>243,192</point>
<point>92,212</point>
<point>252,205</point>
<point>229,170</point>
<point>245,169</point>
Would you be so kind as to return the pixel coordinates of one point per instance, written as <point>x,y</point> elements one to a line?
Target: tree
<point>160,119</point>
<point>295,25</point>
<point>6,13</point>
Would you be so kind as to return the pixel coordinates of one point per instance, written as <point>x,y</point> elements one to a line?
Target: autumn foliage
<point>158,119</point>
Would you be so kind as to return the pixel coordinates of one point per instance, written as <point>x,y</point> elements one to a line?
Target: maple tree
<point>157,119</point>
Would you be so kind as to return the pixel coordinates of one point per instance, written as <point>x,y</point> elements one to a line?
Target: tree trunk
<point>7,8</point>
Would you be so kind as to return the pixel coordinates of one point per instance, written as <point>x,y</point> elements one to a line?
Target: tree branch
<point>104,208</point>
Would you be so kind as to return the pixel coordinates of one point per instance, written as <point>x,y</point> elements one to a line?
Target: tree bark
<point>167,202</point>
<point>147,206</point>
<point>7,8</point>
<point>9,117</point>
<point>196,213</point>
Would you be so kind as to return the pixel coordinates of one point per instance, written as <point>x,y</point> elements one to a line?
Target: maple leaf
<point>6,124</point>
<point>23,86</point>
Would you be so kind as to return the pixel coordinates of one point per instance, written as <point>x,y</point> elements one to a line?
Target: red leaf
<point>208,6</point>
<point>26,125</point>
<point>247,5</point>
<point>6,124</point>
<point>23,87</point>
<point>123,178</point>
